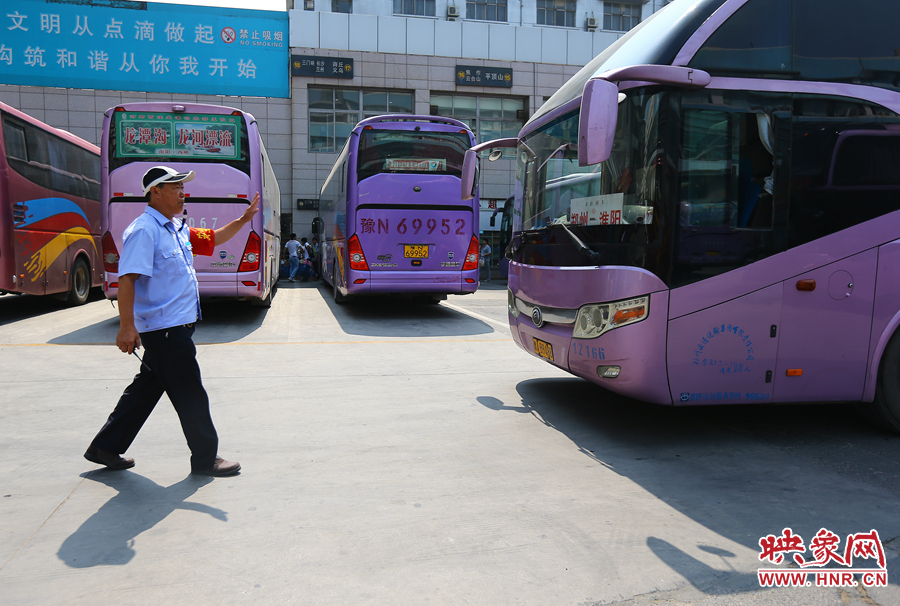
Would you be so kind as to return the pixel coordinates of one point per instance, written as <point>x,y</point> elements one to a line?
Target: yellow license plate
<point>543,349</point>
<point>415,251</point>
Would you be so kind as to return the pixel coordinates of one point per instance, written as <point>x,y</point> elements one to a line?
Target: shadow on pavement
<point>223,322</point>
<point>397,316</point>
<point>107,537</point>
<point>15,308</point>
<point>743,472</point>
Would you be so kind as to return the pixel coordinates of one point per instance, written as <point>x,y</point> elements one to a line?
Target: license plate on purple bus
<point>543,349</point>
<point>415,251</point>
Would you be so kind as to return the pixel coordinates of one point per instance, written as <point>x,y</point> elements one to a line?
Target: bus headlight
<point>594,320</point>
<point>511,303</point>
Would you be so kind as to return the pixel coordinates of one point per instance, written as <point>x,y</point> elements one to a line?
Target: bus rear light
<point>795,372</point>
<point>357,257</point>
<point>250,258</point>
<point>594,320</point>
<point>110,253</point>
<point>114,285</point>
<point>248,283</point>
<point>360,281</point>
<point>470,280</point>
<point>471,255</point>
<point>123,194</point>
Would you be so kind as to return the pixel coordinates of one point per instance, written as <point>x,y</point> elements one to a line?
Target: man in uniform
<point>159,302</point>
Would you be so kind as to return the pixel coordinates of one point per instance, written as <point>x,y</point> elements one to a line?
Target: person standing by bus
<point>306,260</point>
<point>486,259</point>
<point>159,303</point>
<point>291,248</point>
<point>317,266</point>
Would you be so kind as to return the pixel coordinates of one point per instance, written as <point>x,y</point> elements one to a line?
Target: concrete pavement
<point>393,453</point>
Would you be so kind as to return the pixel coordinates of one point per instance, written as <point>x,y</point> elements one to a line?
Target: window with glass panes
<point>620,17</point>
<point>556,12</point>
<point>341,6</point>
<point>486,10</point>
<point>424,8</point>
<point>333,112</point>
<point>489,117</point>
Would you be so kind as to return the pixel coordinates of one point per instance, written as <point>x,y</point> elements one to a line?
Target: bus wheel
<point>338,297</point>
<point>81,283</point>
<point>885,408</point>
<point>267,302</point>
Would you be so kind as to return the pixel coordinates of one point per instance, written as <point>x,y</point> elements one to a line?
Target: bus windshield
<point>616,201</point>
<point>393,151</point>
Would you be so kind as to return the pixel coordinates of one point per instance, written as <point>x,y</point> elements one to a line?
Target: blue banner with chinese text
<point>144,46</point>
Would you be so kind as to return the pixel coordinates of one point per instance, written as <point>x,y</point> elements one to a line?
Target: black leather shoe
<point>110,459</point>
<point>221,468</point>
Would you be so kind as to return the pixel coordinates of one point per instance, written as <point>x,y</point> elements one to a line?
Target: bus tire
<point>885,408</point>
<point>265,303</point>
<point>81,283</point>
<point>338,297</point>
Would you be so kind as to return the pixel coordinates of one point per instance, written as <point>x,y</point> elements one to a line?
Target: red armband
<point>203,241</point>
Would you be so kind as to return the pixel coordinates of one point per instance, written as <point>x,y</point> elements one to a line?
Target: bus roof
<point>655,41</point>
<point>64,134</point>
<point>387,118</point>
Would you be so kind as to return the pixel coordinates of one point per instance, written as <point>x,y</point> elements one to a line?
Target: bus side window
<point>846,162</point>
<point>14,138</point>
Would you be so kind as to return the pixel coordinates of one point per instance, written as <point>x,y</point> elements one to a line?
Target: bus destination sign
<point>476,75</point>
<point>322,67</point>
<point>183,136</point>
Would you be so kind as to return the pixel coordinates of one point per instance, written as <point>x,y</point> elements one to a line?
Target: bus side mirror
<point>597,121</point>
<point>493,221</point>
<point>469,175</point>
<point>317,225</point>
<point>470,163</point>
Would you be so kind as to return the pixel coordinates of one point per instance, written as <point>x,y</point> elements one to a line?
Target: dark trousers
<point>170,366</point>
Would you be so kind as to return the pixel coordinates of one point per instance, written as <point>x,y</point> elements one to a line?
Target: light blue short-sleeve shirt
<point>166,292</point>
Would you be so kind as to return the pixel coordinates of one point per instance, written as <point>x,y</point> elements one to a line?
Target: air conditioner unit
<point>591,23</point>
<point>452,12</point>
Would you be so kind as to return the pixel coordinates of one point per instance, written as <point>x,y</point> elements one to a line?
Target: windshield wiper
<point>591,254</point>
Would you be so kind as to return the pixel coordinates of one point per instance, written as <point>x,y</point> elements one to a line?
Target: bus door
<point>725,354</point>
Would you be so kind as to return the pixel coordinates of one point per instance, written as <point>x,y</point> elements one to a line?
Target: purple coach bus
<point>709,211</point>
<point>223,146</point>
<point>392,219</point>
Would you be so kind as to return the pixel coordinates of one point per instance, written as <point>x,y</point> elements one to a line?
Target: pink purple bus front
<point>549,319</point>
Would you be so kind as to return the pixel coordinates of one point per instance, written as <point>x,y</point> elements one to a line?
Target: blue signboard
<point>144,46</point>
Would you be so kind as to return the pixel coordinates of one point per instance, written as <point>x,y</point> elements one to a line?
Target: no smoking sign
<point>228,35</point>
